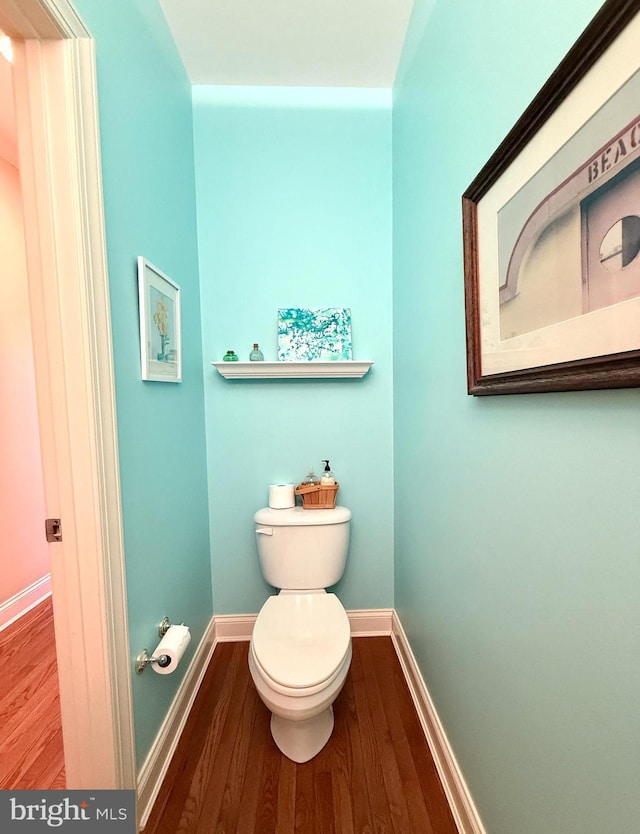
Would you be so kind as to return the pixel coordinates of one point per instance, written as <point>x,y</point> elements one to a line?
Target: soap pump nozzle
<point>327,478</point>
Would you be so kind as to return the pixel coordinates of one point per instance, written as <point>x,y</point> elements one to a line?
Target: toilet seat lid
<point>301,639</point>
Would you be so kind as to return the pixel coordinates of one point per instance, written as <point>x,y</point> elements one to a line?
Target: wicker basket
<point>317,496</point>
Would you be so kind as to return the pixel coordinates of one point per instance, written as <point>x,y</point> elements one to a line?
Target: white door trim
<point>58,139</point>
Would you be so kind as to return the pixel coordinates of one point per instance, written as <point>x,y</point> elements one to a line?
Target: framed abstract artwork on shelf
<point>314,334</point>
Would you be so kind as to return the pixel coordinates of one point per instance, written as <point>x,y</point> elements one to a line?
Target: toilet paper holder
<point>143,659</point>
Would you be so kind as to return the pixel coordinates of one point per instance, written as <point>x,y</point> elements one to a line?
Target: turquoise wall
<point>147,154</point>
<point>294,209</point>
<point>516,562</point>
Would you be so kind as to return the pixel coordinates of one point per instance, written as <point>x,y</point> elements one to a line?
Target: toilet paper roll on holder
<point>143,659</point>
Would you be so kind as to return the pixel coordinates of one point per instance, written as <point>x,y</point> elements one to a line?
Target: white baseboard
<point>375,622</point>
<point>230,628</point>
<point>154,768</point>
<point>17,605</point>
<point>460,801</point>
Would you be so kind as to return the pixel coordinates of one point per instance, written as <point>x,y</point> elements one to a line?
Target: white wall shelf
<point>293,370</point>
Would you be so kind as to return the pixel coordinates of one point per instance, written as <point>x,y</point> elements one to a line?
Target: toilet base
<point>302,740</point>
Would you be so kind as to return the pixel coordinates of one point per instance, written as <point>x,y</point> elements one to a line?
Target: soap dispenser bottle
<point>327,478</point>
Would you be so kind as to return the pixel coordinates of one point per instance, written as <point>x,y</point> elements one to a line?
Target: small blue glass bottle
<point>256,354</point>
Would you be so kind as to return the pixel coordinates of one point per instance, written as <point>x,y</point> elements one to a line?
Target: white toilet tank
<point>302,549</point>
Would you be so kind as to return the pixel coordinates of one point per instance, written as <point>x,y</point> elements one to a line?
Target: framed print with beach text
<point>551,228</point>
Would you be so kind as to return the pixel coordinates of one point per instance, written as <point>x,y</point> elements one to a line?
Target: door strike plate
<point>53,529</point>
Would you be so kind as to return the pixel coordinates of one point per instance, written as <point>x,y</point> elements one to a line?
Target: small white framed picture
<point>160,346</point>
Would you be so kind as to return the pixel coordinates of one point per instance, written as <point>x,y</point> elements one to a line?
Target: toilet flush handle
<point>264,531</point>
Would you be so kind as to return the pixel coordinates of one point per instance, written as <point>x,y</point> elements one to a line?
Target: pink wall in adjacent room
<point>24,555</point>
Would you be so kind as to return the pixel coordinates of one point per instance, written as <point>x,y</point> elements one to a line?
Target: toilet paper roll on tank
<point>282,496</point>
<point>170,649</point>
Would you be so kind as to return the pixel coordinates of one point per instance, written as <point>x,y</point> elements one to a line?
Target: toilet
<point>300,650</point>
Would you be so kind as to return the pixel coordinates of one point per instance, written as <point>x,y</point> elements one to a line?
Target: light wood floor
<point>376,773</point>
<point>30,727</point>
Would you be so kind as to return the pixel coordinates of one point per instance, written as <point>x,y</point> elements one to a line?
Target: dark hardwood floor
<point>376,773</point>
<point>31,753</point>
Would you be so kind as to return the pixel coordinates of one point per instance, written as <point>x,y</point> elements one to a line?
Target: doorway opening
<point>58,146</point>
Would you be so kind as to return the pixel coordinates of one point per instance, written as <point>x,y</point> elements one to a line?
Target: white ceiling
<point>283,43</point>
<point>279,43</point>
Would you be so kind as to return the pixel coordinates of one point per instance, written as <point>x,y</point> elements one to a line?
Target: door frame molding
<point>59,150</point>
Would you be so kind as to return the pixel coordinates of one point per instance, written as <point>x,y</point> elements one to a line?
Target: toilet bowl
<point>299,657</point>
<point>300,649</point>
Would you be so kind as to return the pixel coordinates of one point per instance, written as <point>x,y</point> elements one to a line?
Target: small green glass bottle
<point>256,354</point>
<point>230,356</point>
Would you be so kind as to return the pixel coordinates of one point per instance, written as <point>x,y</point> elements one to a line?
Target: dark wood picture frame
<point>606,370</point>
